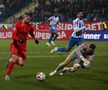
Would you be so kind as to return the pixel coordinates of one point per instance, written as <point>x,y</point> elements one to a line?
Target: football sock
<point>51,37</point>
<point>62,49</point>
<point>71,69</point>
<point>55,37</point>
<point>59,67</point>
<point>10,67</point>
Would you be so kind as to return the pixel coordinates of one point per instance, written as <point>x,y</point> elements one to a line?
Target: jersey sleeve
<point>14,32</point>
<point>78,51</point>
<point>79,54</point>
<point>31,32</point>
<point>57,19</point>
<point>49,19</point>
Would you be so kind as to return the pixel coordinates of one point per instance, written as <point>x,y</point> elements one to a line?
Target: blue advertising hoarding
<point>91,35</point>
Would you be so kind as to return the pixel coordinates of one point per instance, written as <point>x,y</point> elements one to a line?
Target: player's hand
<point>87,61</point>
<point>21,41</point>
<point>36,41</point>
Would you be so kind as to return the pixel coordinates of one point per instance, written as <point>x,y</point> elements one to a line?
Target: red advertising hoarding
<point>40,34</point>
<point>64,30</point>
<point>69,26</point>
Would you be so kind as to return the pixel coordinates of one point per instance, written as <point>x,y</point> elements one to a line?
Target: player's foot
<point>52,73</point>
<point>52,42</point>
<point>7,78</point>
<point>65,69</point>
<point>48,44</point>
<point>54,50</point>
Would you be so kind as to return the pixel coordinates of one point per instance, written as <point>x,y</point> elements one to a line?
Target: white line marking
<point>38,57</point>
<point>52,56</point>
<point>45,52</point>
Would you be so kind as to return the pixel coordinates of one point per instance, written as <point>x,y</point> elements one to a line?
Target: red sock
<point>17,62</point>
<point>10,67</point>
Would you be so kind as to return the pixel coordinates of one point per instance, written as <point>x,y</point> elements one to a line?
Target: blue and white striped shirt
<point>53,22</point>
<point>78,27</point>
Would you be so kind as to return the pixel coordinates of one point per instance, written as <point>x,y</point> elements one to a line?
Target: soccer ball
<point>40,76</point>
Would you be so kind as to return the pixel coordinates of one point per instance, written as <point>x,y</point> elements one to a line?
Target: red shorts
<point>19,52</point>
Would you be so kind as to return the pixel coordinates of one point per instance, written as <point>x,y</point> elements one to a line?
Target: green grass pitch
<point>39,59</point>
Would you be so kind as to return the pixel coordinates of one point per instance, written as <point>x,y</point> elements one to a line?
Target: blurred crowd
<point>94,10</point>
<point>10,7</point>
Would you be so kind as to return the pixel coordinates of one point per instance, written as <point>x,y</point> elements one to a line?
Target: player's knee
<point>14,58</point>
<point>68,49</point>
<point>21,63</point>
<point>63,64</point>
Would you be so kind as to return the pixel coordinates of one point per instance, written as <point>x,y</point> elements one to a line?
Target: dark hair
<point>29,14</point>
<point>79,10</point>
<point>20,17</point>
<point>93,46</point>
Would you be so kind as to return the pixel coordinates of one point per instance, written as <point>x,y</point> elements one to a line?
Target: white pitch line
<point>27,52</point>
<point>37,57</point>
<point>46,56</point>
<point>44,52</point>
<point>41,56</point>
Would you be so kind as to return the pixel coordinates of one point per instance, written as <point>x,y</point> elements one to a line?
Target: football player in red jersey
<point>22,29</point>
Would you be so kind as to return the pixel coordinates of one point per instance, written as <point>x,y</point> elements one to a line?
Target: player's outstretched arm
<point>33,36</point>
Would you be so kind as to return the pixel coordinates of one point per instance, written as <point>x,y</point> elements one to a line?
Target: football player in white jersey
<point>77,36</point>
<point>53,21</point>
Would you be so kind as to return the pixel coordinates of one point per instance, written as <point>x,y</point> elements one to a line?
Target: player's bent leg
<point>21,61</point>
<point>61,66</point>
<point>65,69</point>
<point>61,49</point>
<point>72,69</point>
<point>75,67</point>
<point>50,39</point>
<point>52,42</point>
<point>80,41</point>
<point>14,58</point>
<point>69,69</point>
<point>54,50</point>
<point>64,49</point>
<point>55,36</point>
<point>68,48</point>
<point>48,44</point>
<point>67,60</point>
